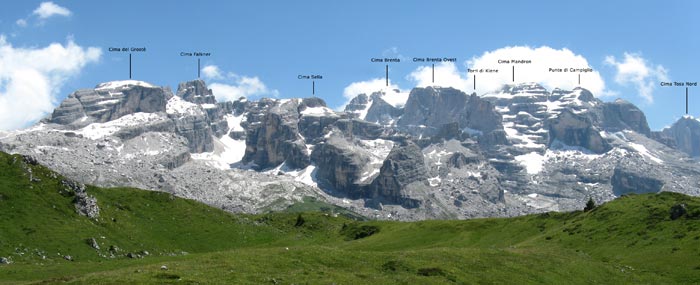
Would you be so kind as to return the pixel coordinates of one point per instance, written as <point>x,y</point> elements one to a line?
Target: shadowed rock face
<point>358,103</point>
<point>623,115</point>
<point>197,131</point>
<point>275,139</point>
<point>403,166</point>
<point>381,111</point>
<point>340,166</point>
<point>574,130</point>
<point>428,109</point>
<point>685,133</point>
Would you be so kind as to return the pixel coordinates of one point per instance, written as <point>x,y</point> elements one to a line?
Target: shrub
<point>355,231</point>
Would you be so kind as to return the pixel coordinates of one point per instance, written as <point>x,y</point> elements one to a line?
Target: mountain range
<point>431,153</point>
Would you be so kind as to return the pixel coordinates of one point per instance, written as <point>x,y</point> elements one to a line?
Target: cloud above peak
<point>50,9</point>
<point>229,86</point>
<point>634,70</point>
<point>543,67</point>
<point>367,87</point>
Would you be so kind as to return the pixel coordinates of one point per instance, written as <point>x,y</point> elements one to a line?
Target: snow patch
<point>533,162</point>
<point>97,131</point>
<point>106,102</point>
<point>181,107</point>
<point>234,122</point>
<point>645,152</point>
<point>308,176</point>
<point>395,98</point>
<point>317,111</point>
<point>122,84</point>
<point>228,150</point>
<point>434,181</point>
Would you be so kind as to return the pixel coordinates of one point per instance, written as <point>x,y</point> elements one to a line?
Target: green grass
<point>630,240</point>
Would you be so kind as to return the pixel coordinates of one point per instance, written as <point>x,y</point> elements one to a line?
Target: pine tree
<point>590,205</point>
<point>300,221</point>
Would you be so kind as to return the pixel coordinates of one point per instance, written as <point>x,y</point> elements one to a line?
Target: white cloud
<point>31,78</point>
<point>212,72</point>
<point>635,70</point>
<point>49,9</point>
<point>448,74</point>
<point>21,22</point>
<point>367,87</point>
<point>374,85</point>
<point>231,86</point>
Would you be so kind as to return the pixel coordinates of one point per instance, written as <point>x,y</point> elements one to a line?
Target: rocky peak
<point>109,101</point>
<point>528,87</point>
<point>358,103</point>
<point>196,91</point>
<point>428,109</point>
<point>273,138</point>
<point>686,134</point>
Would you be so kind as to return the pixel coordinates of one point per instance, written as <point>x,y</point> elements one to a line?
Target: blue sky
<point>259,47</point>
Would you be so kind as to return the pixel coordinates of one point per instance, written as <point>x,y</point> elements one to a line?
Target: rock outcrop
<point>625,181</point>
<point>402,167</point>
<point>85,204</point>
<point>340,165</point>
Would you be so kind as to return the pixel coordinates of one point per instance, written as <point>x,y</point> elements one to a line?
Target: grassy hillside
<point>630,240</point>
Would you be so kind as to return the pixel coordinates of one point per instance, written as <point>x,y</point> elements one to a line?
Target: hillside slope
<point>650,238</point>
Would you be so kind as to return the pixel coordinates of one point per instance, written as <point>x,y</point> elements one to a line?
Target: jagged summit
<point>380,107</point>
<point>685,134</point>
<point>196,91</point>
